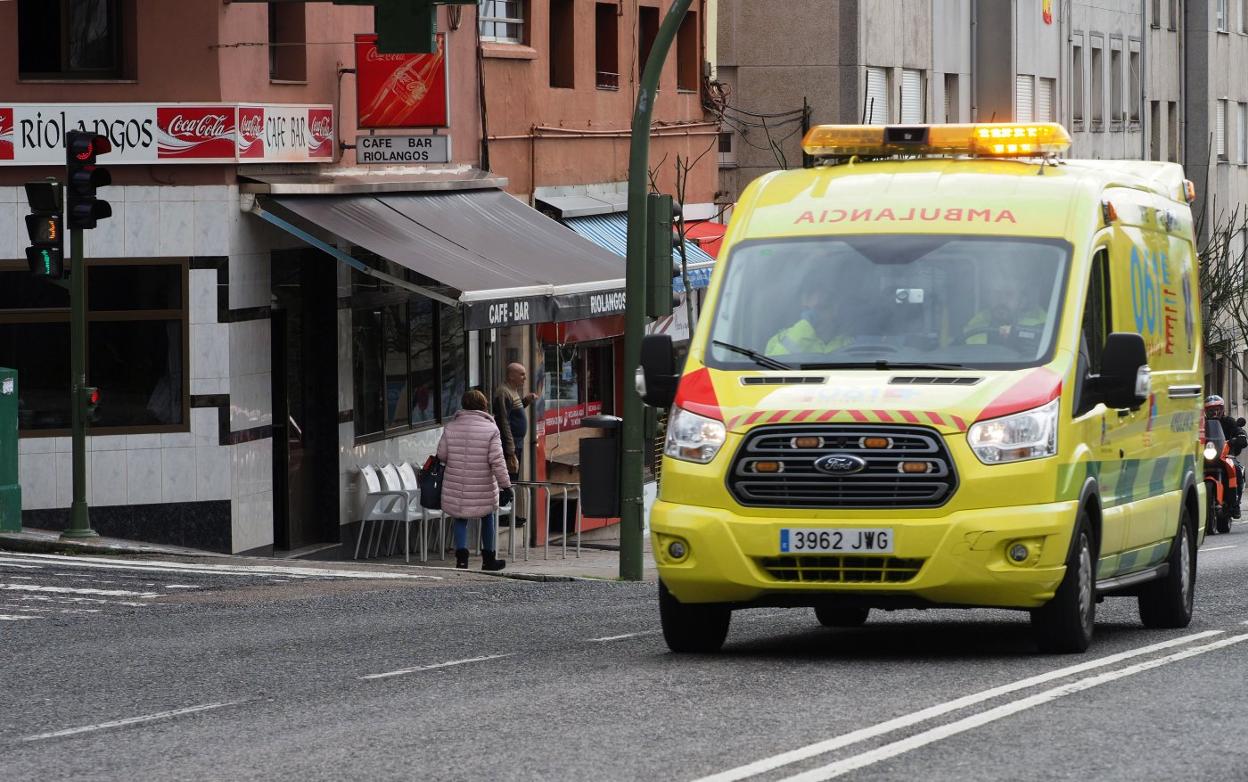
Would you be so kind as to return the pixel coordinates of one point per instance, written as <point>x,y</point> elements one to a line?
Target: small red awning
<point>708,235</point>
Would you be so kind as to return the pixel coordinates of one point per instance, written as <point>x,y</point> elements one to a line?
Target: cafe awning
<point>511,264</point>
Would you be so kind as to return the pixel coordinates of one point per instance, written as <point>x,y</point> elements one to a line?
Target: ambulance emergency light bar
<point>990,139</point>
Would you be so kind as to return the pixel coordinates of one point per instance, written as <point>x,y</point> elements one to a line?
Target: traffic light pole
<point>633,430</point>
<point>79,521</point>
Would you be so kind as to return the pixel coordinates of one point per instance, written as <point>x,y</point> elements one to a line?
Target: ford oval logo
<point>840,464</point>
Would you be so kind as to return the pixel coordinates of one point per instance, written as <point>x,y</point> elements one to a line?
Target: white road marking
<point>448,664</point>
<point>906,720</point>
<point>82,600</point>
<point>14,617</point>
<point>1218,548</point>
<point>162,715</point>
<point>75,590</point>
<point>1000,712</point>
<point>10,563</point>
<point>154,566</point>
<point>10,607</point>
<point>181,586</point>
<point>618,637</point>
<point>20,578</point>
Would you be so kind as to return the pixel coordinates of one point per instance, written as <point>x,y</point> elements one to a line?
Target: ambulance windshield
<point>884,301</point>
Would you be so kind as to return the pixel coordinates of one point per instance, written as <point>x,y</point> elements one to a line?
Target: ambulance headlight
<point>1013,438</point>
<point>692,437</point>
<point>1211,453</point>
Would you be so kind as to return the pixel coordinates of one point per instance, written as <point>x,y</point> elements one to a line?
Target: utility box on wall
<point>10,489</point>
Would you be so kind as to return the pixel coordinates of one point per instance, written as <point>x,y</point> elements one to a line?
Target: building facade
<point>255,337</point>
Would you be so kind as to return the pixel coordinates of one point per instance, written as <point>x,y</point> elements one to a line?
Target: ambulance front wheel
<point>689,628</point>
<point>1064,624</point>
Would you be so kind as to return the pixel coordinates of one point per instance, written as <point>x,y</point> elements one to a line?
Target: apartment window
<point>1045,91</point>
<point>1221,16</point>
<point>409,359</point>
<point>1219,133</point>
<point>1134,86</point>
<point>647,31</point>
<point>1077,80</point>
<point>1156,13</point>
<point>607,46</point>
<point>562,44</point>
<point>288,59</point>
<point>1154,130</point>
<point>1097,65</point>
<point>688,54</point>
<point>1174,14</point>
<point>876,110</point>
<point>1243,16</point>
<point>912,109</point>
<point>1172,131</point>
<point>1241,136</point>
<point>136,343</point>
<point>1115,83</point>
<point>1024,98</point>
<point>727,150</point>
<point>502,20</point>
<point>74,39</point>
<point>953,105</point>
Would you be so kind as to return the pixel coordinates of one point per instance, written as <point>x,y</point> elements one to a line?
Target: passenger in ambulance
<point>1010,317</point>
<point>815,330</point>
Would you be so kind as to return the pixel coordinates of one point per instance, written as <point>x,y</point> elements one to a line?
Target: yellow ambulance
<point>942,368</point>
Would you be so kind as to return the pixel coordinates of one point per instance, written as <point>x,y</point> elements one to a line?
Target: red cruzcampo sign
<point>400,90</point>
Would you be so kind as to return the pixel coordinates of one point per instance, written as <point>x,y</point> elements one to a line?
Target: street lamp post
<point>632,435</point>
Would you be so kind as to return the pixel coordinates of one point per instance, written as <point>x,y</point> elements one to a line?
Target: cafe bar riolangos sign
<point>174,133</point>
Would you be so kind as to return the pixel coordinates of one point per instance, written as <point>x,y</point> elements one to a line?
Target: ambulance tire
<point>841,616</point>
<point>692,628</point>
<point>1064,625</point>
<point>1168,602</point>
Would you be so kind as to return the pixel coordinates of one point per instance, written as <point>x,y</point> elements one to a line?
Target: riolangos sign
<point>146,133</point>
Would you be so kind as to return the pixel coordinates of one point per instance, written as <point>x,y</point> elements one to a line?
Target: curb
<point>28,546</point>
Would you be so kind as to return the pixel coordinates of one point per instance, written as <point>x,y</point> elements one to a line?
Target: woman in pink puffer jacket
<point>476,476</point>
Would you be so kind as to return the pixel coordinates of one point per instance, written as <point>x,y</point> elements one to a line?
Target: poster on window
<point>33,134</point>
<point>401,90</point>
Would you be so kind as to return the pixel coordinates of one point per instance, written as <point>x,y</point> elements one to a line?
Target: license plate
<point>838,541</point>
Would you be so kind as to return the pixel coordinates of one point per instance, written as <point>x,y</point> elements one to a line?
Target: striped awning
<point>610,232</point>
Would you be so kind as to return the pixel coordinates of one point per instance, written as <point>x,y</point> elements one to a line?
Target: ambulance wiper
<point>758,358</point>
<point>881,364</point>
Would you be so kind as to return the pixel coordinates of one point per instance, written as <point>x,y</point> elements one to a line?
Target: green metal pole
<point>633,432</point>
<point>79,522</point>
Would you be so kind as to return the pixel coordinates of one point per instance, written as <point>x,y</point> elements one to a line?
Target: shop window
<point>607,46</point>
<point>502,21</point>
<point>688,57</point>
<point>409,358</point>
<point>562,44</point>
<point>288,59</point>
<point>647,31</point>
<point>136,347</point>
<point>75,39</point>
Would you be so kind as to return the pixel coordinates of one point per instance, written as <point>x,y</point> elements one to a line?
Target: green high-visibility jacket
<point>801,338</point>
<point>982,323</point>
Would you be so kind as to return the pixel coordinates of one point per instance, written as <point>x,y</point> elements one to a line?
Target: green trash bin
<point>10,489</point>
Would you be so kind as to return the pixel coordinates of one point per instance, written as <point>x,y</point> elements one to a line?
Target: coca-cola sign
<point>400,90</point>
<point>200,133</point>
<point>173,133</point>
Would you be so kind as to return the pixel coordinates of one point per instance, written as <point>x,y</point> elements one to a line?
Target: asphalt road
<point>142,670</point>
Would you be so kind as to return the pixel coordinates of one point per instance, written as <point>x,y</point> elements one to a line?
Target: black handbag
<point>430,481</point>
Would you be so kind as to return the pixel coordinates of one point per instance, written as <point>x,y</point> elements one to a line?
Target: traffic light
<point>46,253</point>
<point>83,177</point>
<point>90,401</point>
<point>661,213</point>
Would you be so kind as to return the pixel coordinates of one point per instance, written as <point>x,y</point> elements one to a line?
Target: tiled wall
<point>229,355</point>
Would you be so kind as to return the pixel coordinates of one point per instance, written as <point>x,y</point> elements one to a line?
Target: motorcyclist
<point>1215,409</point>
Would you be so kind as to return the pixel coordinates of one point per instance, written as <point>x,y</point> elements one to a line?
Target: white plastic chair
<point>410,510</point>
<point>379,507</point>
<point>407,478</point>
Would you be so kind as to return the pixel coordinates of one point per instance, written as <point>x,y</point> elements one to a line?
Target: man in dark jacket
<point>509,403</point>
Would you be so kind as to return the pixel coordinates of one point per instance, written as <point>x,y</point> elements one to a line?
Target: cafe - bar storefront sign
<point>33,134</point>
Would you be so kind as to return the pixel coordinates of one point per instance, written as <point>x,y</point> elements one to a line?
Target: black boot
<point>491,562</point>
<point>461,558</point>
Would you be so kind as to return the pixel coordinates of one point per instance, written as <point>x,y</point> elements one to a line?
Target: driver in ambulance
<point>816,325</point>
<point>1009,318</point>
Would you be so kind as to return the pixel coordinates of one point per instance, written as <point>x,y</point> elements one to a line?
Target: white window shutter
<point>1220,130</point>
<point>876,108</point>
<point>1023,98</point>
<point>911,97</point>
<point>1044,100</point>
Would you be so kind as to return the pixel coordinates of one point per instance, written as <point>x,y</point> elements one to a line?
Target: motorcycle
<point>1222,476</point>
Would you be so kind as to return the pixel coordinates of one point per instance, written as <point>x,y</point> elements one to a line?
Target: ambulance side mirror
<point>1125,380</point>
<point>657,376</point>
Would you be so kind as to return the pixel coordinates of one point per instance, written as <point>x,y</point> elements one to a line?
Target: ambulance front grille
<point>838,569</point>
<point>770,470</point>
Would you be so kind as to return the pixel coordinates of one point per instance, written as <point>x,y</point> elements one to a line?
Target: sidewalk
<point>598,560</point>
